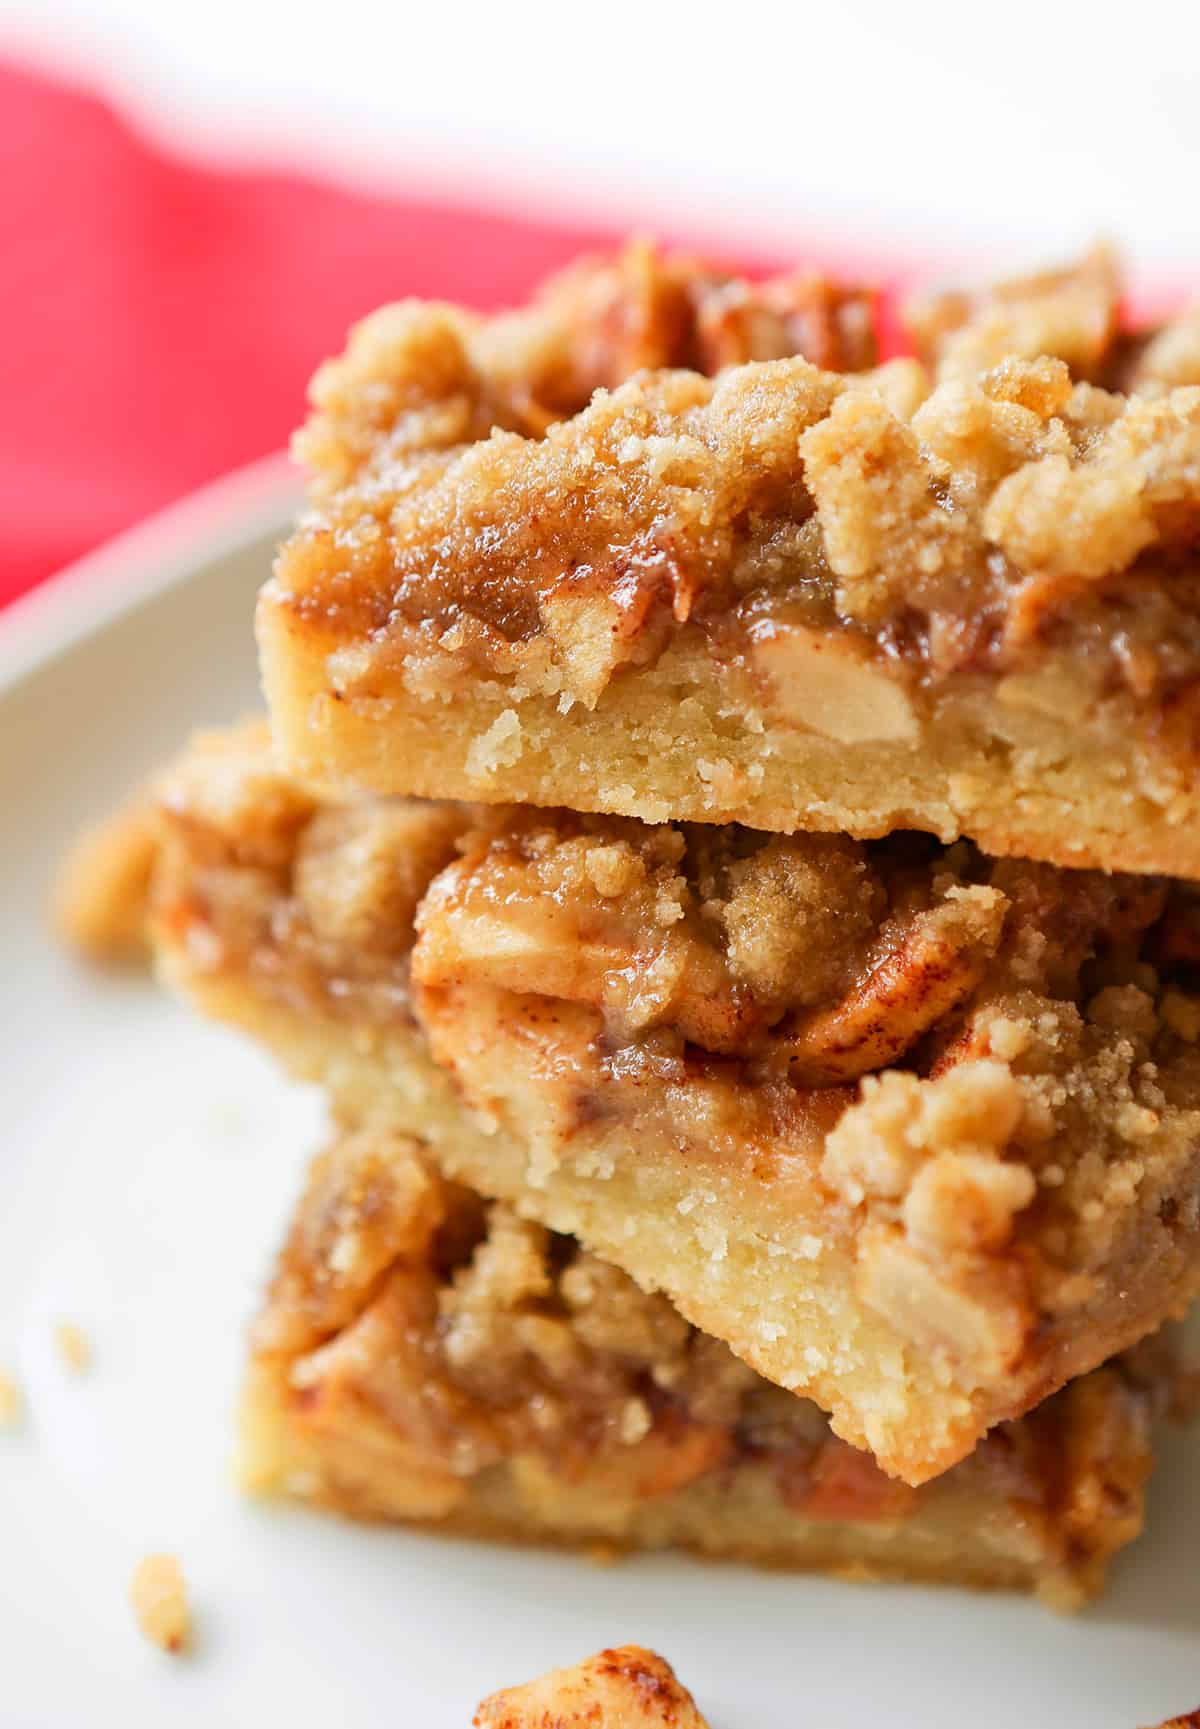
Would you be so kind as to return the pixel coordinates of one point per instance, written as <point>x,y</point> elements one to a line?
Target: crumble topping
<point>828,956</point>
<point>334,884</point>
<point>158,1595</point>
<point>1171,357</point>
<point>626,1688</point>
<point>1070,314</point>
<point>1005,501</point>
<point>361,870</point>
<point>231,795</point>
<point>418,378</point>
<point>368,1203</point>
<point>882,1148</point>
<point>1012,507</point>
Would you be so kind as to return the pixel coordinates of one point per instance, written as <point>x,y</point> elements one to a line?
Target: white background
<point>939,130</point>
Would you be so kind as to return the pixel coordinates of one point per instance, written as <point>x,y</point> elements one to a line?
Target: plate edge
<point>143,562</point>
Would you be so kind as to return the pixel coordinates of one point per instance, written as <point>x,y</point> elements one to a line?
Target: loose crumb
<point>159,1597</point>
<point>103,889</point>
<point>10,1400</point>
<point>73,1346</point>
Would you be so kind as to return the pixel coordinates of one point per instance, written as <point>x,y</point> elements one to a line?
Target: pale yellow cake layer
<point>1037,767</point>
<point>423,1359</point>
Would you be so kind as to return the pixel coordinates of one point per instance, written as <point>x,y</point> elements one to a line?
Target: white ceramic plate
<point>148,1164</point>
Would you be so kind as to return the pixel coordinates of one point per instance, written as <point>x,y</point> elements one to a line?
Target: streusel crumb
<point>419,378</point>
<point>103,887</point>
<point>159,1597</point>
<point>1069,313</point>
<point>560,557</point>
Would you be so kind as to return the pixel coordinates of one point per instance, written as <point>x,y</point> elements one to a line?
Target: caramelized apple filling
<point>814,955</point>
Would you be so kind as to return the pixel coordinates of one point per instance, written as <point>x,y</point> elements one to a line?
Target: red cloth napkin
<point>161,318</point>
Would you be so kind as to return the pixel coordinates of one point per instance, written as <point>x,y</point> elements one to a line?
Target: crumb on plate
<point>159,1597</point>
<point>10,1400</point>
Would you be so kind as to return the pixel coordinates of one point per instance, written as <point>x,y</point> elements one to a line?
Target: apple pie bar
<point>915,1132</point>
<point>425,1356</point>
<point>759,580</point>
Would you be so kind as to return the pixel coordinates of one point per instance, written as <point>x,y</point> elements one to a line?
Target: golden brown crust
<point>625,1688</point>
<point>640,1024</point>
<point>490,1375</point>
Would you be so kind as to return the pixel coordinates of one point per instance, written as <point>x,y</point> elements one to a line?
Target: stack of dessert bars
<point>722,840</point>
